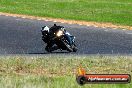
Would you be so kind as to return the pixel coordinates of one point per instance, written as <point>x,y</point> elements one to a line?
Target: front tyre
<point>69,48</point>
<point>74,48</point>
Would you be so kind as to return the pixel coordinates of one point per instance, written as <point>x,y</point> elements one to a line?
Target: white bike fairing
<point>46,29</point>
<point>68,33</point>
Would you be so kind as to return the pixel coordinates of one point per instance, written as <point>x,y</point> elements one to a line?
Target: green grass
<point>113,11</point>
<point>59,71</point>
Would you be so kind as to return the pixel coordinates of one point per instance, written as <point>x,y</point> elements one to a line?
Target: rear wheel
<point>48,49</point>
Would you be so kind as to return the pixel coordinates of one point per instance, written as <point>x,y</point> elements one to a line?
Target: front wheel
<point>69,48</point>
<point>74,48</point>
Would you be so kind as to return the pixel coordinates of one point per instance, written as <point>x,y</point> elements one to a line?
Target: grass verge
<point>59,71</point>
<point>113,11</point>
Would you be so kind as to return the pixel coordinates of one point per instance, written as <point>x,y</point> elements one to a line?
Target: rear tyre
<point>48,49</point>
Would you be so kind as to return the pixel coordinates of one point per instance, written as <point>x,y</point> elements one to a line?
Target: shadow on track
<point>58,52</point>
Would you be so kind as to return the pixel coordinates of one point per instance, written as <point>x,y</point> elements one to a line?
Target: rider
<point>48,33</point>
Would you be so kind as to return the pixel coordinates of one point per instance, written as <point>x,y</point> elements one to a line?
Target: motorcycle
<point>59,37</point>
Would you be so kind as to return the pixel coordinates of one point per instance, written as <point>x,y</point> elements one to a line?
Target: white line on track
<point>24,17</point>
<point>14,16</point>
<point>68,22</point>
<point>46,20</point>
<point>55,21</point>
<point>39,19</point>
<point>123,29</point>
<point>62,22</point>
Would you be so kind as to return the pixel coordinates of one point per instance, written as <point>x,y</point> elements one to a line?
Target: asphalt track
<point>23,36</point>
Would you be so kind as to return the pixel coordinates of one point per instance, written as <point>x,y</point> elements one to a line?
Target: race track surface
<point>23,36</point>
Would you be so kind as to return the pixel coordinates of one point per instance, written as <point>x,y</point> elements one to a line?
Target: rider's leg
<point>50,46</point>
